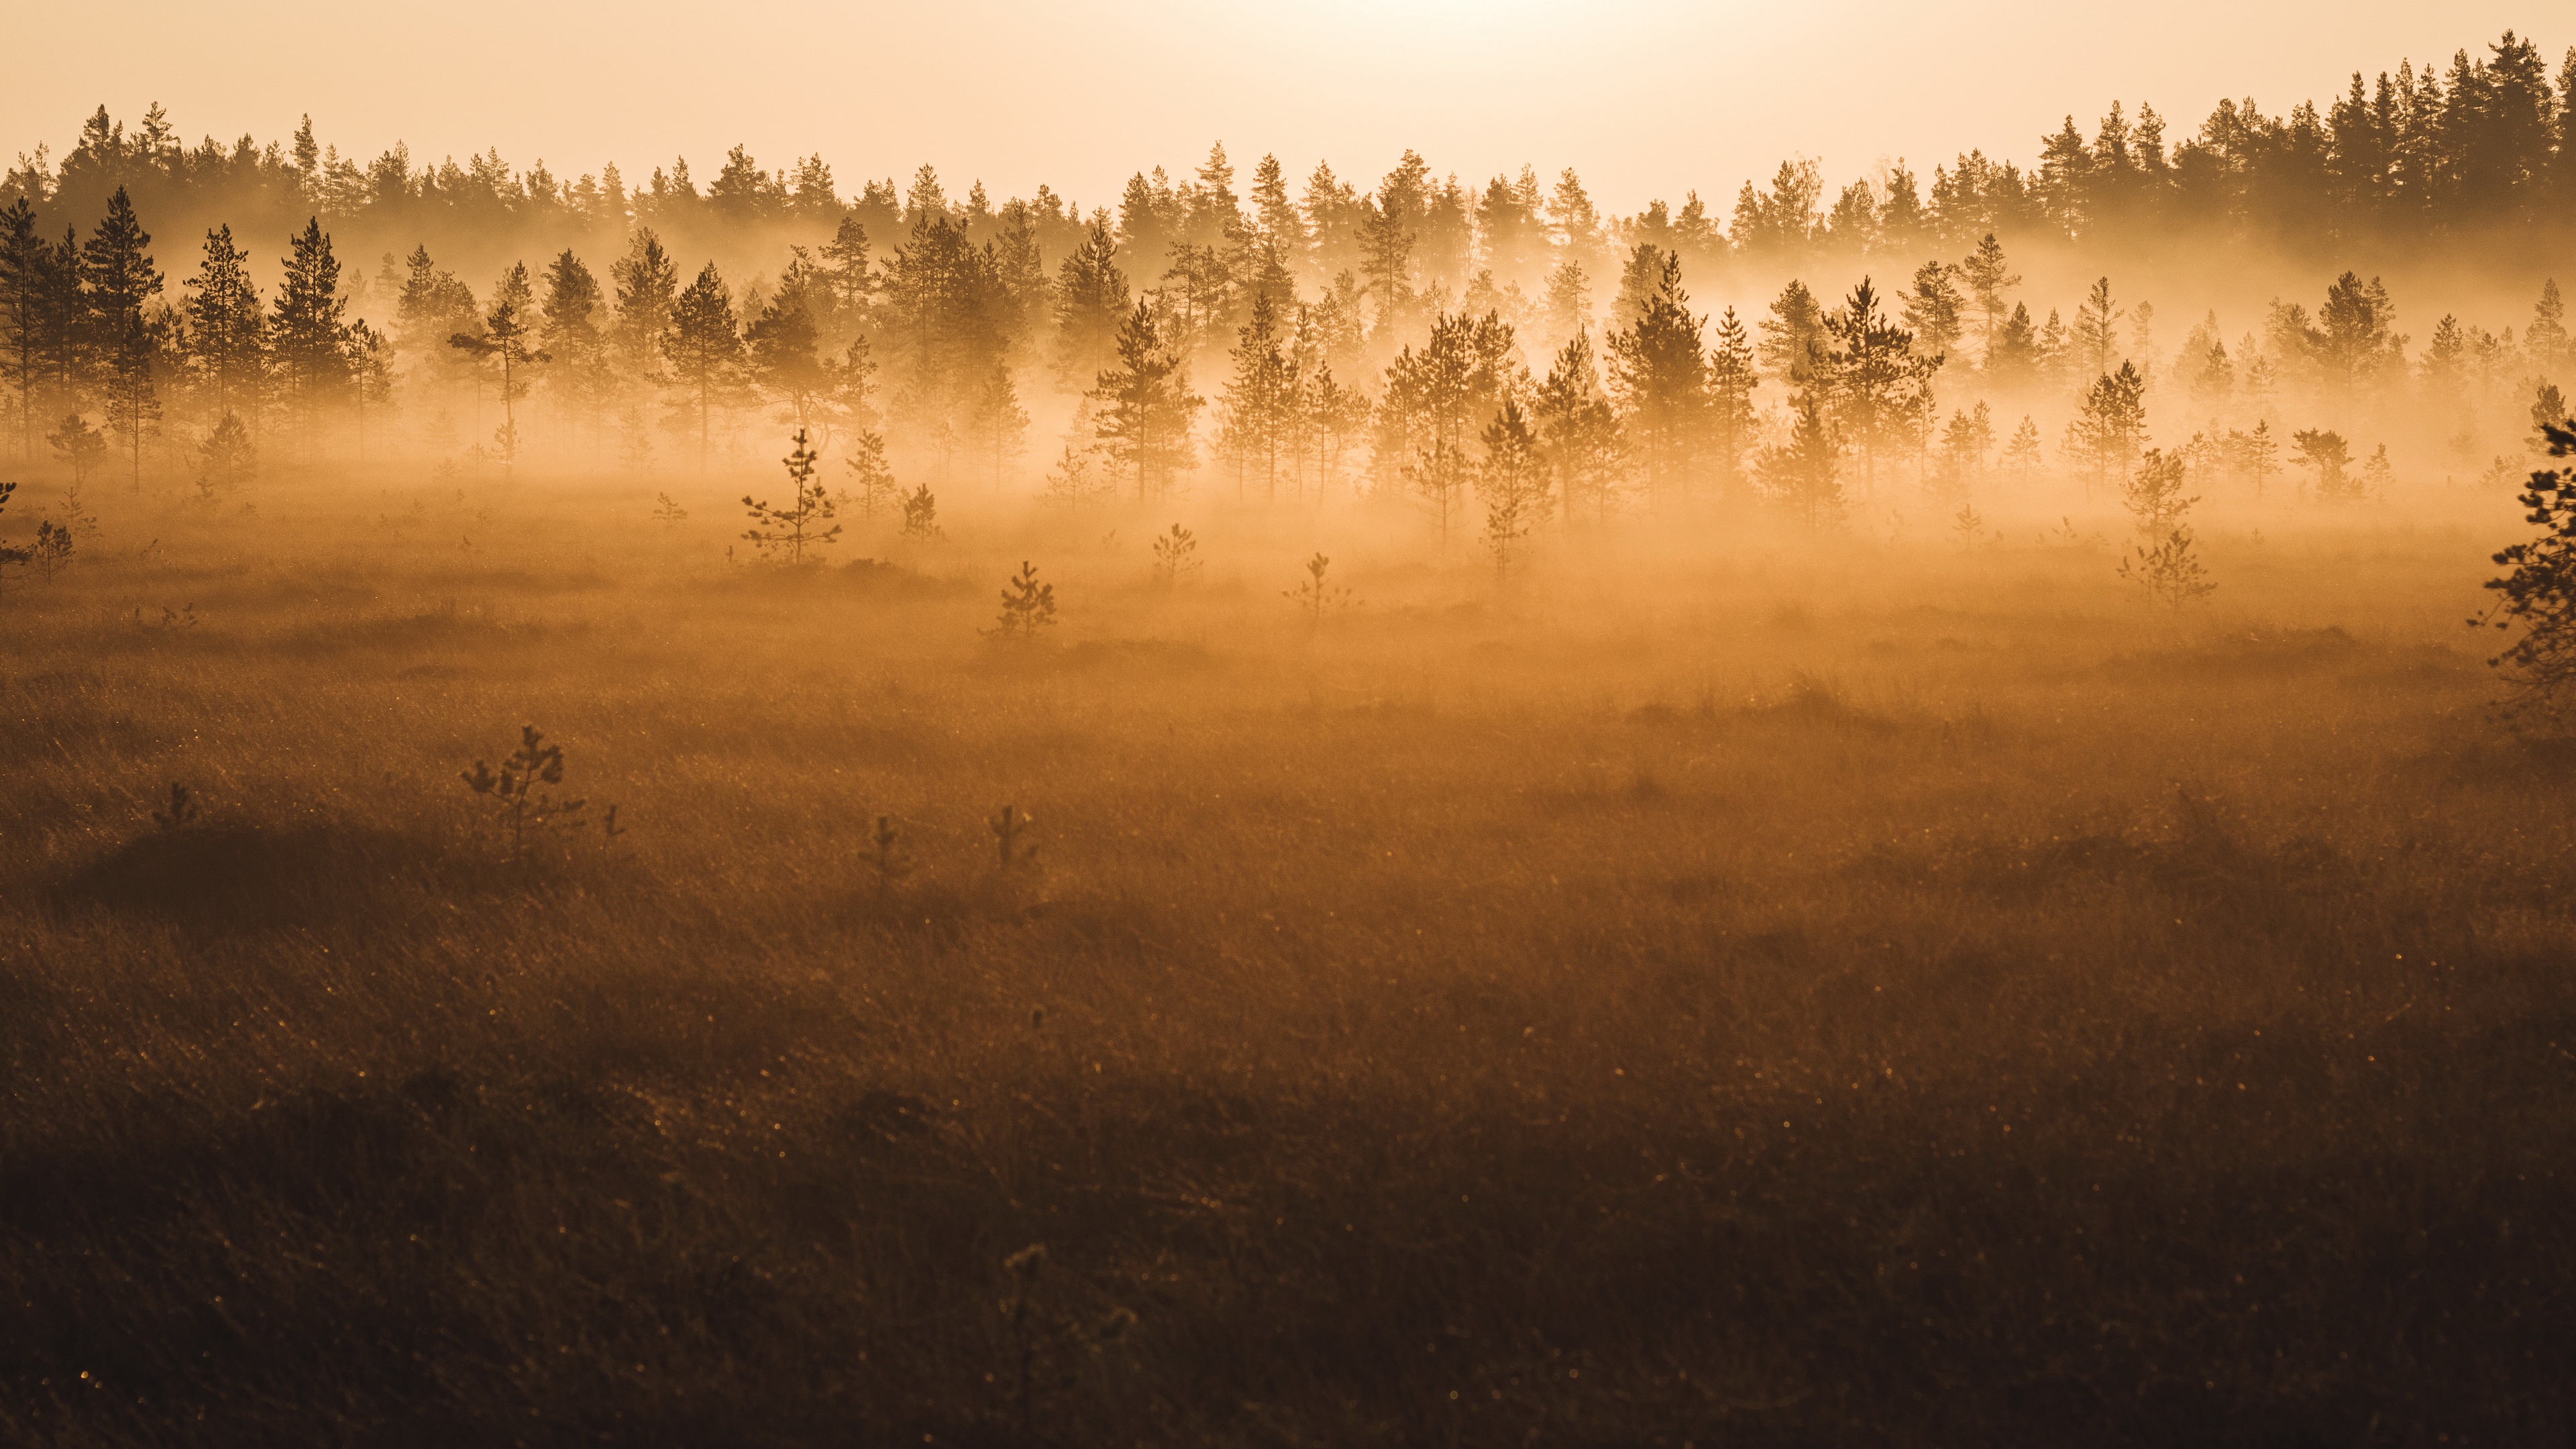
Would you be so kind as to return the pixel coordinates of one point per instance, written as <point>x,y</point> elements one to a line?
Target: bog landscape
<point>1931,808</point>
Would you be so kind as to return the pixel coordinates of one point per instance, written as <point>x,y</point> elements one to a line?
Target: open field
<point>1779,994</point>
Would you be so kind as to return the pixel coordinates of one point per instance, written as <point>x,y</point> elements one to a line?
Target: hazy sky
<point>1644,97</point>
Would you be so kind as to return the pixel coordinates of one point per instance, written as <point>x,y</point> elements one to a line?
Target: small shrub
<point>669,513</point>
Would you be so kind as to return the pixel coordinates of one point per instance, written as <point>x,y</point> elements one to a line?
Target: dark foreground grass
<point>1958,1014</point>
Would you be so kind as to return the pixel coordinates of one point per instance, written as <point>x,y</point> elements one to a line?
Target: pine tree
<point>853,286</point>
<point>1091,302</point>
<point>228,331</point>
<point>800,525</point>
<point>782,343</point>
<point>1989,277</point>
<point>22,251</point>
<point>1732,378</point>
<point>1934,309</point>
<point>63,329</point>
<point>1260,401</point>
<point>2097,329</point>
<point>1801,472</point>
<point>1512,482</point>
<point>118,276</point>
<point>2021,455</point>
<point>1145,405</point>
<point>1579,430</point>
<point>2112,424</point>
<point>1661,377</point>
<point>1000,424</point>
<point>1793,336</point>
<point>509,338</point>
<point>1569,299</point>
<point>1875,380</point>
<point>308,343</point>
<point>2546,338</point>
<point>704,348</point>
<point>371,374</point>
<point>568,326</point>
<point>870,476</point>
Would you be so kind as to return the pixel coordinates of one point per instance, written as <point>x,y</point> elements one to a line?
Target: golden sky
<point>1645,97</point>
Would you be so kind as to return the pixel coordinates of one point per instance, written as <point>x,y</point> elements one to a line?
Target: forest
<point>1917,810</point>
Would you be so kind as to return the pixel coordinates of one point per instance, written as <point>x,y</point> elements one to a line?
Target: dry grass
<point>1774,998</point>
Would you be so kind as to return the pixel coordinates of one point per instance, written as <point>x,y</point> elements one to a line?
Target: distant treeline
<point>1335,330</point>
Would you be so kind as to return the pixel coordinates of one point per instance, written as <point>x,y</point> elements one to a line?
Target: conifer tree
<point>1145,406</point>
<point>2112,424</point>
<point>308,343</point>
<point>568,326</point>
<point>846,265</point>
<point>704,347</point>
<point>118,277</point>
<point>1260,400</point>
<point>1989,277</point>
<point>1661,376</point>
<point>1579,430</point>
<point>22,251</point>
<point>781,344</point>
<point>1875,380</point>
<point>370,362</point>
<point>1801,472</point>
<point>63,322</point>
<point>1793,336</point>
<point>1090,303</point>
<point>1512,482</point>
<point>1934,309</point>
<point>1569,299</point>
<point>1732,379</point>
<point>2097,329</point>
<point>1000,424</point>
<point>228,330</point>
<point>509,339</point>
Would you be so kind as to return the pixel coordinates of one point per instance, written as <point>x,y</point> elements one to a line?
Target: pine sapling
<point>1028,607</point>
<point>1315,597</point>
<point>891,862</point>
<point>1008,827</point>
<point>795,528</point>
<point>517,802</point>
<point>669,514</point>
<point>1175,555</point>
<point>921,515</point>
<point>181,813</point>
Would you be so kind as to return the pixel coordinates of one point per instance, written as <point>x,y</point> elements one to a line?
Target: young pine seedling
<point>891,862</point>
<point>670,514</point>
<point>1008,828</point>
<point>1315,597</point>
<point>182,811</point>
<point>516,801</point>
<point>1175,555</point>
<point>1028,608</point>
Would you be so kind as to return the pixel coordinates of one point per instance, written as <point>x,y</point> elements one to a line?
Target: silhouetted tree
<point>704,348</point>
